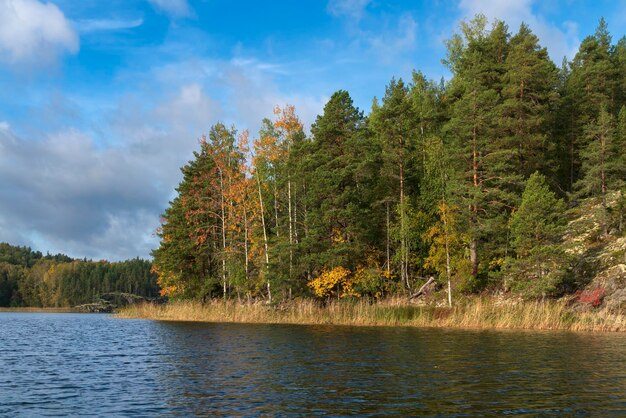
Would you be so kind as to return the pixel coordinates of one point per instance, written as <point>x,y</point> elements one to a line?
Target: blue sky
<point>102,102</point>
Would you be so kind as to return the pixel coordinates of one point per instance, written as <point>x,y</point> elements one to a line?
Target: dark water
<point>66,364</point>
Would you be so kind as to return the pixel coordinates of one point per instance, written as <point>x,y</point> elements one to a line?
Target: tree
<point>185,260</point>
<point>591,85</point>
<point>536,230</point>
<point>338,217</point>
<point>539,219</point>
<point>600,163</point>
<point>528,99</point>
<point>290,130</point>
<point>394,123</point>
<point>445,254</point>
<point>477,59</point>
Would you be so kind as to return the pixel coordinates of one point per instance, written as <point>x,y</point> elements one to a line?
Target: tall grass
<point>470,313</point>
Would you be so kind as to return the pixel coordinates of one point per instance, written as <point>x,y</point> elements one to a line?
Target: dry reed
<point>469,313</point>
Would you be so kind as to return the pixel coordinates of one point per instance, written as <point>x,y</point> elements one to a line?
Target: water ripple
<point>78,365</point>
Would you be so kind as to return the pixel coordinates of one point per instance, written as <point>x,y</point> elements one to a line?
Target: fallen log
<point>422,289</point>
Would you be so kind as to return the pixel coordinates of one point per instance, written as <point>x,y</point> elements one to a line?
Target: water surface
<point>78,364</point>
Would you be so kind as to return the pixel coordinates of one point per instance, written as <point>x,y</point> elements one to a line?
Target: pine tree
<point>591,86</point>
<point>185,260</point>
<point>539,219</point>
<point>478,62</point>
<point>619,60</point>
<point>335,212</point>
<point>395,127</point>
<point>600,163</point>
<point>536,230</point>
<point>528,98</point>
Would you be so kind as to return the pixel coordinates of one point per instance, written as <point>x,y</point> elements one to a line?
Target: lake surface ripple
<point>73,364</point>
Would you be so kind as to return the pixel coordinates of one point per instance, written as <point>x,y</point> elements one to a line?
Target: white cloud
<point>352,9</point>
<point>173,8</point>
<point>94,25</point>
<point>34,32</point>
<point>101,200</point>
<point>387,36</point>
<point>97,190</point>
<point>80,199</point>
<point>242,91</point>
<point>560,40</point>
<point>189,107</point>
<point>389,44</point>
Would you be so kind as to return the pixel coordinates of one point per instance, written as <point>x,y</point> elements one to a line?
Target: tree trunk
<point>448,270</point>
<point>403,243</point>
<point>603,179</point>
<point>223,231</point>
<point>295,215</point>
<point>245,237</point>
<point>474,206</point>
<point>420,292</point>
<point>267,258</point>
<point>276,208</point>
<point>388,249</point>
<point>289,208</point>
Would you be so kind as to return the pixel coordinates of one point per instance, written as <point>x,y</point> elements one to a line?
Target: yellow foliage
<point>337,280</point>
<point>373,280</point>
<point>165,282</point>
<point>496,263</point>
<point>168,291</point>
<point>443,232</point>
<point>337,236</point>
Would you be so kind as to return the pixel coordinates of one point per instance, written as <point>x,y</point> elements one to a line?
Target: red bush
<point>591,297</point>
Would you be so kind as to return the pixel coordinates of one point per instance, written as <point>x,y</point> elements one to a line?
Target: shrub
<point>591,297</point>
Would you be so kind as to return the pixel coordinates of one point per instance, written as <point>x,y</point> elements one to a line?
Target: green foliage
<point>544,272</point>
<point>528,99</point>
<point>339,186</point>
<point>539,221</point>
<point>599,161</point>
<point>536,230</point>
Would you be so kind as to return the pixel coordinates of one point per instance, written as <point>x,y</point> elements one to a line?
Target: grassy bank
<point>471,313</point>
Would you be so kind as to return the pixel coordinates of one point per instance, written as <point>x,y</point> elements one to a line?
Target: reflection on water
<point>80,364</point>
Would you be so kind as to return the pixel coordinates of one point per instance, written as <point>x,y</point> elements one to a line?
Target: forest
<point>30,279</point>
<point>470,181</point>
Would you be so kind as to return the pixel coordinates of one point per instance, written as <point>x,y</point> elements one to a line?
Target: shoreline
<point>475,313</point>
<point>39,310</point>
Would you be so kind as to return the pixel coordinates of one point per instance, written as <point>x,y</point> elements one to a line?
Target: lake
<point>81,364</point>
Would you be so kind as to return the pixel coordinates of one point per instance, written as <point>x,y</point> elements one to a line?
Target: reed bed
<point>469,313</point>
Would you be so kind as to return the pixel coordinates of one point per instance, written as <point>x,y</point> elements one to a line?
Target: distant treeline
<point>29,278</point>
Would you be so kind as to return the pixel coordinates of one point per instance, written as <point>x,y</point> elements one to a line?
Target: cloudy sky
<point>102,102</point>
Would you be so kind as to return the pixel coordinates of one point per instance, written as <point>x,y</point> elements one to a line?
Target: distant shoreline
<point>473,313</point>
<point>40,310</point>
